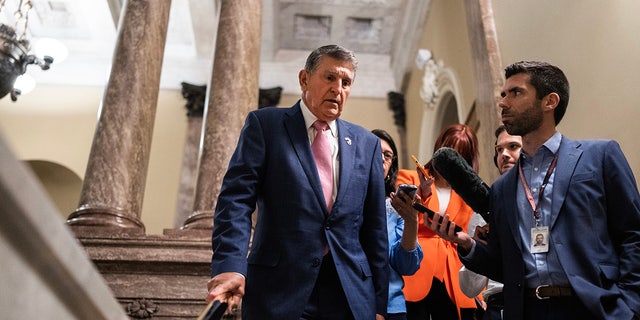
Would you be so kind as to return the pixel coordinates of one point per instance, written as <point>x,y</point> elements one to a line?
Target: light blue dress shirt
<point>541,268</point>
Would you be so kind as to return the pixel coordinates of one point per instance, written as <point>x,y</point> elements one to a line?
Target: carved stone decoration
<point>397,105</point>
<point>364,26</point>
<point>366,30</point>
<point>429,90</point>
<point>312,26</point>
<point>142,309</point>
<point>195,96</point>
<point>269,97</point>
<point>345,2</point>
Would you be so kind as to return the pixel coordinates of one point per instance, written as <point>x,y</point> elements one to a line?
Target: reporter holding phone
<point>506,154</point>
<point>405,253</point>
<point>434,290</point>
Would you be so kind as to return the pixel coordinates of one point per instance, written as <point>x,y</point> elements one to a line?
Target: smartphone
<point>420,166</point>
<point>430,214</point>
<point>214,311</point>
<point>408,189</point>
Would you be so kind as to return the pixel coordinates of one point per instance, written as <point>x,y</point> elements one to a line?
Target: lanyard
<point>527,190</point>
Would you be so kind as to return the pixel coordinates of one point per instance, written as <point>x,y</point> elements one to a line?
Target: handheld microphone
<point>463,180</point>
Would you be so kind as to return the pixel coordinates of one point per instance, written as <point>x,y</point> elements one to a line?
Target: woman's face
<point>387,156</point>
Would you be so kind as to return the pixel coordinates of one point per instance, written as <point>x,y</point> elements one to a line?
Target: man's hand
<point>461,238</point>
<point>481,233</point>
<point>227,287</point>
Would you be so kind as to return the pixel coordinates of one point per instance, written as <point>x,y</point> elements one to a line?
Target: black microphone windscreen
<point>463,180</point>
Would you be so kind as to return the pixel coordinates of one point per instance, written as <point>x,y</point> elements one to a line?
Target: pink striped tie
<point>321,149</point>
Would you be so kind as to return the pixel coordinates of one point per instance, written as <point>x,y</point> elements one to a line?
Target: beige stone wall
<point>57,124</point>
<point>446,37</point>
<point>596,44</point>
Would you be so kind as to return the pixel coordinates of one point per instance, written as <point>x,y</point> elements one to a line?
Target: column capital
<point>269,97</point>
<point>195,96</point>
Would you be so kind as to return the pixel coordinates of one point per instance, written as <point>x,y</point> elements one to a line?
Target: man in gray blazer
<point>317,253</point>
<point>581,195</point>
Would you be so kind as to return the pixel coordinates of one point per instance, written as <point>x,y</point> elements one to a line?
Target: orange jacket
<point>440,257</point>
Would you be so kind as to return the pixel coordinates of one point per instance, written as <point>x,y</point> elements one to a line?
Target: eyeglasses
<point>388,156</point>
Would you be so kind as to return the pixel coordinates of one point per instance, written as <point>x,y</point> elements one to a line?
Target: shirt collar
<point>309,119</point>
<point>553,144</point>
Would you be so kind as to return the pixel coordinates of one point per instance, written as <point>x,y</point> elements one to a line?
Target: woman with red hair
<point>434,290</point>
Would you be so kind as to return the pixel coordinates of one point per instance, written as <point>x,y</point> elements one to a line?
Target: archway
<point>443,104</point>
<point>62,185</point>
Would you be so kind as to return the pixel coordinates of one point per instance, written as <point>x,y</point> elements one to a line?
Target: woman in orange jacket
<point>434,290</point>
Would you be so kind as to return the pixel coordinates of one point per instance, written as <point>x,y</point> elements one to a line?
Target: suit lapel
<point>568,156</point>
<point>295,127</point>
<point>510,205</point>
<point>347,153</point>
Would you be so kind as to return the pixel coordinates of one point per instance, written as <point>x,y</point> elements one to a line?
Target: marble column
<point>233,93</point>
<point>114,182</point>
<point>195,96</point>
<point>488,75</point>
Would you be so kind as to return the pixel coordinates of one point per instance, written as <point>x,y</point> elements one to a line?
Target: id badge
<point>539,239</point>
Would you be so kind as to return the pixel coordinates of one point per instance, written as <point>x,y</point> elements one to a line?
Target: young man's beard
<point>527,121</point>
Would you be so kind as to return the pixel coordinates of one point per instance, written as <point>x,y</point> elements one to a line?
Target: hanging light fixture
<point>14,50</point>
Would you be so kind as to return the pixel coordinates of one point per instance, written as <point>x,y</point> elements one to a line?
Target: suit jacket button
<point>315,262</point>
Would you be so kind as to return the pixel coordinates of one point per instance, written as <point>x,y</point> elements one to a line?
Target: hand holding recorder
<point>404,204</point>
<point>441,226</point>
<point>426,179</point>
<point>420,167</point>
<point>408,189</point>
<point>429,214</point>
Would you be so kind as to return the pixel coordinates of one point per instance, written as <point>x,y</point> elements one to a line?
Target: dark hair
<point>334,51</point>
<point>501,128</point>
<point>392,176</point>
<point>545,78</point>
<point>460,138</point>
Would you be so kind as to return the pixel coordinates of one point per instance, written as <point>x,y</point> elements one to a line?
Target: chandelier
<point>14,50</point>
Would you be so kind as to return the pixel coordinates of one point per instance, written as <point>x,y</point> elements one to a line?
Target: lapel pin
<point>348,140</point>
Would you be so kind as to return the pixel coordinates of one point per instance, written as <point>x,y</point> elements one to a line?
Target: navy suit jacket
<point>273,166</point>
<point>595,228</point>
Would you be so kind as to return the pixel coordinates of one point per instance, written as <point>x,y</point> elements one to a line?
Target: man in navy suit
<point>311,257</point>
<point>580,195</point>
